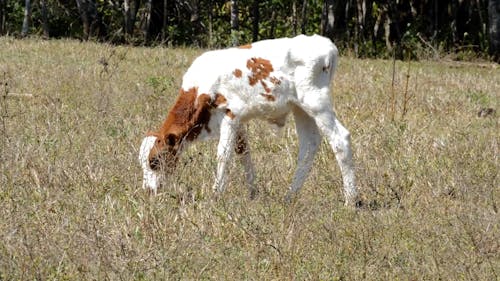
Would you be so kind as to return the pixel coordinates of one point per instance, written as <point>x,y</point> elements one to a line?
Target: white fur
<point>151,179</point>
<point>304,66</point>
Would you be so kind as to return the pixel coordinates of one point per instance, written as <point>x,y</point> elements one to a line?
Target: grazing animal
<point>266,80</point>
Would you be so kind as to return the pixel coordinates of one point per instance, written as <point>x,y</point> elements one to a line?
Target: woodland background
<point>367,28</point>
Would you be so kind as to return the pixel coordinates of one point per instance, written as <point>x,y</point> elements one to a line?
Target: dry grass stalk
<point>406,95</point>
<point>393,101</point>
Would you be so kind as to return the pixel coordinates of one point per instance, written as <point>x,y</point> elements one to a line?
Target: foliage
<point>368,28</point>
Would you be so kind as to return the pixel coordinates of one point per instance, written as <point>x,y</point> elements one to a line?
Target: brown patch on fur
<point>326,68</point>
<point>219,100</point>
<point>237,73</point>
<point>261,69</point>
<point>185,121</point>
<point>269,97</point>
<point>189,115</point>
<point>246,46</point>
<point>230,114</point>
<point>275,80</point>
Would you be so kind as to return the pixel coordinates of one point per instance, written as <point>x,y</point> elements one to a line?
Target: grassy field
<point>72,208</point>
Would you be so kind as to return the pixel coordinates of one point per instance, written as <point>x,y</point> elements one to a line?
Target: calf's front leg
<point>228,131</point>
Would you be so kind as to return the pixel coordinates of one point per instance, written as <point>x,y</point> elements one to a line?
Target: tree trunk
<point>45,20</point>
<point>82,9</point>
<point>210,25</point>
<point>294,17</point>
<point>164,31</point>
<point>347,18</point>
<point>272,30</point>
<point>387,34</point>
<point>304,17</point>
<point>256,19</point>
<point>154,20</point>
<point>234,22</point>
<point>360,25</point>
<point>2,17</point>
<point>494,28</point>
<point>196,25</point>
<point>480,16</point>
<point>130,8</point>
<point>27,18</point>
<point>328,19</point>
<point>148,20</point>
<point>195,11</point>
<point>91,20</point>
<point>126,16</point>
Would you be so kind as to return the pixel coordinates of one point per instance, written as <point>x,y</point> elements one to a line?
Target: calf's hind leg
<point>340,141</point>
<point>309,140</point>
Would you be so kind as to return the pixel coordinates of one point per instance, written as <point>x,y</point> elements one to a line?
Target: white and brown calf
<point>266,80</point>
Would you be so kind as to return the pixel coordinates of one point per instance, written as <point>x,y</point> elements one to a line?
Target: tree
<point>195,21</point>
<point>494,28</point>
<point>164,31</point>
<point>234,22</point>
<point>327,19</point>
<point>45,19</point>
<point>2,16</point>
<point>82,9</point>
<point>27,18</point>
<point>91,20</point>
<point>294,17</point>
<point>255,20</point>
<point>304,17</point>
<point>154,19</point>
<point>130,8</point>
<point>369,27</point>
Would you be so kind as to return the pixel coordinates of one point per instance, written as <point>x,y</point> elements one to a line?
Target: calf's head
<point>185,121</point>
<point>164,153</point>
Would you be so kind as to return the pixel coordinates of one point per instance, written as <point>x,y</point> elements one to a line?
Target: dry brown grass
<point>72,207</point>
